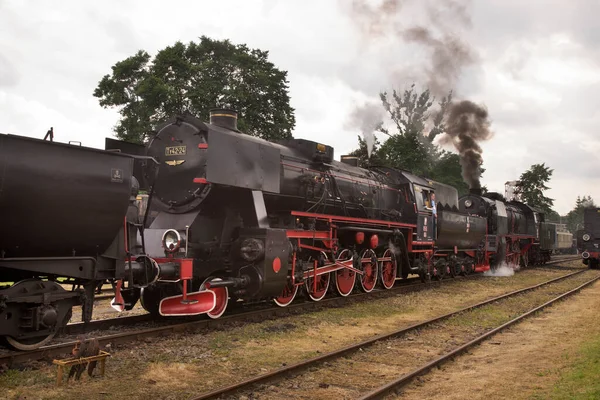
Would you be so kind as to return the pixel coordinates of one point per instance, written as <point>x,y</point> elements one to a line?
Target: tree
<point>408,148</point>
<point>575,216</point>
<point>531,187</point>
<point>197,77</point>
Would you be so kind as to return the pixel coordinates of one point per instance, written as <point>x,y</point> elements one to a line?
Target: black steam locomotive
<point>588,239</point>
<point>229,217</point>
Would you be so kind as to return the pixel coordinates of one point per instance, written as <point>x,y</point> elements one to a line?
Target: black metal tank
<point>60,200</point>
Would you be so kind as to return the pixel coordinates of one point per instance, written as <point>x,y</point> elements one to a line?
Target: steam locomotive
<point>230,217</point>
<point>588,239</point>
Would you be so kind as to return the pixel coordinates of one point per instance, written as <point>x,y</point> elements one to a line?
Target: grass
<point>580,380</point>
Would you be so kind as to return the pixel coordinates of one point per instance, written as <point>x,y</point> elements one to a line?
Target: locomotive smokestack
<point>224,117</point>
<point>476,191</point>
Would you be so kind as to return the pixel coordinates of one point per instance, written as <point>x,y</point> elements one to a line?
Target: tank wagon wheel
<point>29,344</point>
<point>34,343</point>
<point>222,294</point>
<point>369,279</point>
<point>344,278</point>
<point>388,270</point>
<point>288,294</point>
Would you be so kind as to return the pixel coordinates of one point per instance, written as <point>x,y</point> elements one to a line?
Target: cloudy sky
<point>533,64</point>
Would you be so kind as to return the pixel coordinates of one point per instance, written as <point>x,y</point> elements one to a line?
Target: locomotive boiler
<point>64,211</point>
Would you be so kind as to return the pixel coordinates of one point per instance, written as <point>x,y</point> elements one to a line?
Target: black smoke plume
<point>448,53</point>
<point>467,125</point>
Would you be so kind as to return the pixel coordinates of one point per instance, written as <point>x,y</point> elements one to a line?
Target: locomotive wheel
<point>389,269</point>
<point>452,269</point>
<point>288,294</point>
<point>525,260</point>
<point>344,278</point>
<point>440,268</point>
<point>369,278</point>
<point>322,286</point>
<point>222,294</point>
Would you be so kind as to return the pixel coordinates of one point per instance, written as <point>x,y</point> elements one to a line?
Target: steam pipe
<point>359,229</point>
<point>232,282</point>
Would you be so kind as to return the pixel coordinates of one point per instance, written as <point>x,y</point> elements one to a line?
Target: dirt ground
<point>524,362</point>
<point>180,366</point>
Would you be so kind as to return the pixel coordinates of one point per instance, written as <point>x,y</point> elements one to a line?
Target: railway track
<point>75,328</point>
<point>321,365</point>
<point>169,326</point>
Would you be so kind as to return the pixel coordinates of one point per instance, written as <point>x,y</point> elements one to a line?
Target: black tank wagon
<point>64,211</point>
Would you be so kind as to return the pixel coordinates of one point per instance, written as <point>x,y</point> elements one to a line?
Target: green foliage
<point>197,77</point>
<point>575,216</point>
<point>407,147</point>
<point>531,187</point>
<point>553,216</point>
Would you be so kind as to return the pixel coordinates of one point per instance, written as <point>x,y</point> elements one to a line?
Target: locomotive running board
<point>197,303</point>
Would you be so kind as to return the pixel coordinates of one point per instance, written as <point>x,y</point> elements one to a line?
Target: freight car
<point>590,237</point>
<point>67,219</point>
<point>557,238</point>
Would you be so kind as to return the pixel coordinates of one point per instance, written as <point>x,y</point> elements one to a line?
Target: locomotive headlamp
<point>171,240</point>
<point>468,203</point>
<point>321,148</point>
<point>586,237</point>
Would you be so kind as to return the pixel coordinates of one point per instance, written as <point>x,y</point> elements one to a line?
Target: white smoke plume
<point>503,269</point>
<point>368,118</point>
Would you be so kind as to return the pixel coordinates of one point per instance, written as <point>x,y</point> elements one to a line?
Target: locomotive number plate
<point>175,151</point>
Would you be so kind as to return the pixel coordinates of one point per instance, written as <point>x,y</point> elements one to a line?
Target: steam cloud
<point>368,118</point>
<point>503,269</point>
<point>467,125</point>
